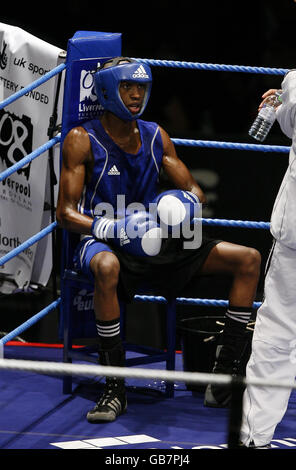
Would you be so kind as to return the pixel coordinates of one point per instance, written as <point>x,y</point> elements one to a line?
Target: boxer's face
<point>132,95</point>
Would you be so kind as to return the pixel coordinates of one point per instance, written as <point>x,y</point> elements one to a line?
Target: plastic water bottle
<point>266,117</point>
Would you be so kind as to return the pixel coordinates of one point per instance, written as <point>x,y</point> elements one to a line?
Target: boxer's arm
<point>76,155</point>
<point>176,170</point>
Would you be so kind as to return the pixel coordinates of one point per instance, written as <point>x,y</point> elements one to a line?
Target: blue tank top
<point>133,177</point>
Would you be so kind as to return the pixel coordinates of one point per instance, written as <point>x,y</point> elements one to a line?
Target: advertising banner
<point>23,128</point>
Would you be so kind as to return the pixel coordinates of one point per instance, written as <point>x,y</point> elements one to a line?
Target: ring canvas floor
<point>36,414</point>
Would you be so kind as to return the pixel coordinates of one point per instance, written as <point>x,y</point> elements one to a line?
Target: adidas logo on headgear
<point>140,73</point>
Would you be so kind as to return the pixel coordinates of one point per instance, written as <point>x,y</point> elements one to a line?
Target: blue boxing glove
<point>176,208</point>
<point>138,234</point>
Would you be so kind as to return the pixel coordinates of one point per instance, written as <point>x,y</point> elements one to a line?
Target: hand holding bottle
<point>273,92</point>
<point>267,114</point>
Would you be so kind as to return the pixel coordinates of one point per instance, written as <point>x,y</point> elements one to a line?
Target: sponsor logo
<point>123,237</point>
<point>113,171</point>
<point>3,57</point>
<point>35,69</point>
<point>83,301</point>
<point>189,197</point>
<point>140,73</point>
<point>12,242</point>
<point>88,105</point>
<point>16,137</point>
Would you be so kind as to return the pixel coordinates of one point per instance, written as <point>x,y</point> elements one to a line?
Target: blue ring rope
<point>236,223</point>
<point>17,331</point>
<point>31,156</point>
<point>181,142</point>
<point>33,85</point>
<point>185,142</point>
<point>157,63</point>
<point>231,145</point>
<point>51,227</point>
<point>28,243</point>
<point>214,67</point>
<point>209,302</point>
<point>188,301</point>
<point>138,298</point>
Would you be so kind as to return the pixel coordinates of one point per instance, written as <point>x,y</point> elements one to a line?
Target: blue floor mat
<point>35,414</point>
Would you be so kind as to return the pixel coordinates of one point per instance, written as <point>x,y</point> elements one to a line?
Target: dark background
<point>193,104</point>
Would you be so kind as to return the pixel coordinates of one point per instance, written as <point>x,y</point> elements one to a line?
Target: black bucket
<point>199,339</point>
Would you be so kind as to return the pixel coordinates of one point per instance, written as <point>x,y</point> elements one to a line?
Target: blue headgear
<point>107,81</point>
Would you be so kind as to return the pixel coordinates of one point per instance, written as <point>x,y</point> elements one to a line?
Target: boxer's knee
<point>106,269</point>
<point>250,262</point>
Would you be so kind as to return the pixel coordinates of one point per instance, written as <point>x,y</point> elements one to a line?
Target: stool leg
<point>171,343</point>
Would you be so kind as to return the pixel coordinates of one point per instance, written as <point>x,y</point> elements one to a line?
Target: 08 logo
<point>16,137</point>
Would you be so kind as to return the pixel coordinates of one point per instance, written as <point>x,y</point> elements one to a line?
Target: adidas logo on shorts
<point>113,171</point>
<point>140,73</point>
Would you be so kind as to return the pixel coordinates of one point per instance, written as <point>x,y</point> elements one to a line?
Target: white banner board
<point>23,128</point>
